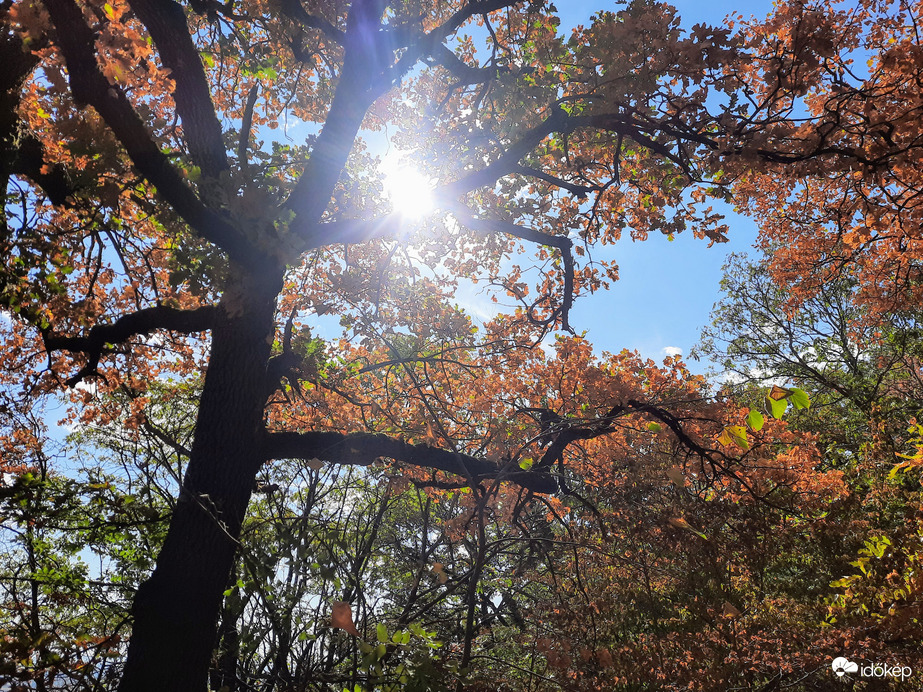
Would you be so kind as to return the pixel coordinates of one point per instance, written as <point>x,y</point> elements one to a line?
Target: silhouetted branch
<point>166,22</point>
<point>102,337</point>
<point>76,41</point>
<point>362,449</point>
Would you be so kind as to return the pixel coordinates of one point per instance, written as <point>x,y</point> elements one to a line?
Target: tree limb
<point>100,338</point>
<point>580,191</point>
<point>352,231</point>
<point>556,121</point>
<point>561,243</point>
<point>294,10</point>
<point>89,86</point>
<point>243,141</point>
<point>166,22</point>
<point>362,449</point>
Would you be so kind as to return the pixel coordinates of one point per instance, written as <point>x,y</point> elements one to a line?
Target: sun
<point>410,192</point>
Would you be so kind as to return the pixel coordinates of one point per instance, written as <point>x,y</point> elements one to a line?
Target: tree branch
<point>166,22</point>
<point>89,86</point>
<point>102,336</point>
<point>465,73</point>
<point>20,152</point>
<point>509,160</point>
<point>362,449</point>
<point>352,231</point>
<point>294,10</point>
<point>243,141</point>
<point>561,243</point>
<point>580,191</point>
<point>363,78</point>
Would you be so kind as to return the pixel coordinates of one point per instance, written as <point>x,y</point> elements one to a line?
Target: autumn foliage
<point>253,439</point>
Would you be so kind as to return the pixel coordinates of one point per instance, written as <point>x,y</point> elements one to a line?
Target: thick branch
<point>429,44</point>
<point>166,22</point>
<point>362,449</point>
<point>89,86</point>
<point>509,160</point>
<point>28,159</point>
<point>20,152</point>
<point>294,10</point>
<point>352,231</point>
<point>102,337</point>
<point>465,73</point>
<point>580,191</point>
<point>363,79</point>
<point>246,124</point>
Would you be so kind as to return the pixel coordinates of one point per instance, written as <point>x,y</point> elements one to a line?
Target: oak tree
<point>156,227</point>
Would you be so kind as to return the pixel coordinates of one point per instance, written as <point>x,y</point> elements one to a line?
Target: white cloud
<point>672,351</point>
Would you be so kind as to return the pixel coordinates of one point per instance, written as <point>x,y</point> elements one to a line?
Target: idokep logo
<point>841,666</point>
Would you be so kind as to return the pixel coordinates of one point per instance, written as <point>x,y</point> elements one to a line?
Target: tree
<point>819,219</point>
<point>863,371</point>
<point>144,209</point>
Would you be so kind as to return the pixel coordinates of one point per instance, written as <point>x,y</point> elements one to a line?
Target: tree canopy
<point>434,501</point>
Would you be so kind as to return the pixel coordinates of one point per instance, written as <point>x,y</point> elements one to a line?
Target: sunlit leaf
<point>341,617</point>
<point>738,433</point>
<point>799,398</point>
<point>777,406</point>
<point>755,420</point>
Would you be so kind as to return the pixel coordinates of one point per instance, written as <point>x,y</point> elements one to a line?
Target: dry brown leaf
<point>342,618</point>
<point>675,474</point>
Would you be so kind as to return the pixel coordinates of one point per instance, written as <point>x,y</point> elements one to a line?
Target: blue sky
<point>666,289</point>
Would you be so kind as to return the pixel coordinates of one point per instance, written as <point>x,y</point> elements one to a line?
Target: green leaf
<point>654,427</point>
<point>738,433</point>
<point>526,464</point>
<point>799,398</point>
<point>381,632</point>
<point>755,420</point>
<point>777,406</point>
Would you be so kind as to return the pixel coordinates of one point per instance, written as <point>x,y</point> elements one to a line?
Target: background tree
<point>863,369</point>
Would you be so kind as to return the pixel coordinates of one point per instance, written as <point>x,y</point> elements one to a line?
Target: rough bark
<point>175,611</point>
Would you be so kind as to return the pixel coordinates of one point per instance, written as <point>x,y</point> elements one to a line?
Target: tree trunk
<point>175,611</point>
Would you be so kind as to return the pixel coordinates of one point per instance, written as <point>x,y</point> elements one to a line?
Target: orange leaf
<point>777,393</point>
<point>342,618</point>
